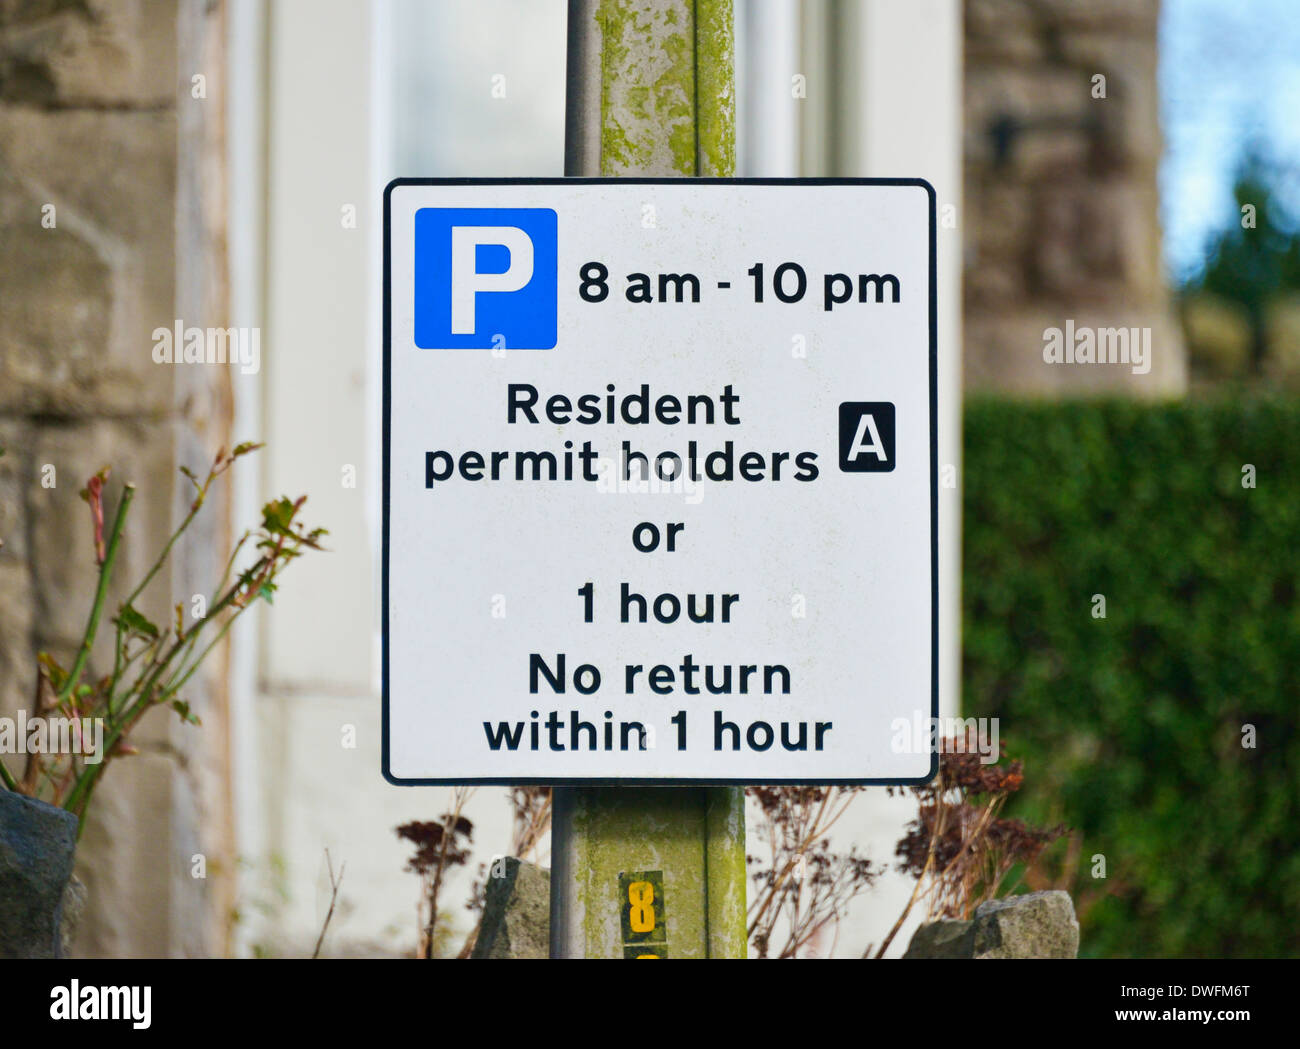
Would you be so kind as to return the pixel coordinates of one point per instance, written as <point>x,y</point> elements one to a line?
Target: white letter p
<point>466,282</point>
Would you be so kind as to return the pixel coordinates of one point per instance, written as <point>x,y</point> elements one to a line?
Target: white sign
<point>659,481</point>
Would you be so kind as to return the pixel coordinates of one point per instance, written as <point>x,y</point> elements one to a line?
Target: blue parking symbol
<point>485,278</point>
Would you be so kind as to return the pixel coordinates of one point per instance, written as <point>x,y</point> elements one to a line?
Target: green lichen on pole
<point>715,89</point>
<point>667,87</point>
<point>666,107</point>
<point>694,835</point>
<point>725,870</point>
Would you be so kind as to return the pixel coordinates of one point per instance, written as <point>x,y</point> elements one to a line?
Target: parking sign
<point>485,278</point>
<point>694,540</point>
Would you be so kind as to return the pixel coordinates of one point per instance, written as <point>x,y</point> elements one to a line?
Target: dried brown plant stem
<point>916,889</point>
<point>335,882</point>
<point>459,797</point>
<point>532,827</point>
<point>808,885</point>
<point>787,868</point>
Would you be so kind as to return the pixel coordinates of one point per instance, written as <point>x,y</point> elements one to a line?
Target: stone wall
<point>1060,192</point>
<point>111,220</point>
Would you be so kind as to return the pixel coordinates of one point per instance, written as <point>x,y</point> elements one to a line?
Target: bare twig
<point>807,885</point>
<point>335,882</point>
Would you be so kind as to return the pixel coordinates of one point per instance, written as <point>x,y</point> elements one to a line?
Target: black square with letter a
<point>866,436</point>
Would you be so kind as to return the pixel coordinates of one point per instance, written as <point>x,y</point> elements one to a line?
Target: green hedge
<point>1131,726</point>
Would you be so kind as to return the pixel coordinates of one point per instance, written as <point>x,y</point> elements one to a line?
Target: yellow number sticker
<point>641,899</point>
<point>641,917</point>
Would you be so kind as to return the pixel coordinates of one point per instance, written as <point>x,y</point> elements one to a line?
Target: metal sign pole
<point>649,871</point>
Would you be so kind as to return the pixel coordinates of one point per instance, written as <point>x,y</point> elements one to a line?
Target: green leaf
<point>57,675</point>
<point>267,590</point>
<point>131,620</point>
<point>312,539</point>
<point>245,448</point>
<point>277,516</point>
<point>183,709</point>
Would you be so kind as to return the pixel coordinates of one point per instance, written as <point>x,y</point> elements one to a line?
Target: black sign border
<point>595,781</point>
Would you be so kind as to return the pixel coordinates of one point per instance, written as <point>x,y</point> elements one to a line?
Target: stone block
<point>1057,92</point>
<point>1035,925</point>
<point>1130,111</point>
<point>37,843</point>
<point>123,188</point>
<point>58,293</point>
<point>946,938</point>
<point>1003,352</point>
<point>93,288</point>
<point>1003,30</point>
<point>516,913</point>
<point>14,439</point>
<point>1131,16</point>
<point>70,913</point>
<point>17,654</point>
<point>61,53</point>
<point>1097,241</point>
<point>999,219</point>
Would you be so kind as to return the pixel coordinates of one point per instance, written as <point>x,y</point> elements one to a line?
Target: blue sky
<point>1229,75</point>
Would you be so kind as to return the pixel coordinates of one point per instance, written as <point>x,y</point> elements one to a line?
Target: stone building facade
<point>1061,150</point>
<point>111,225</point>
